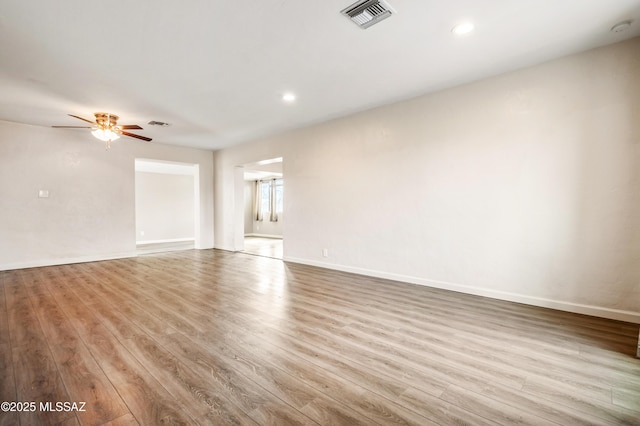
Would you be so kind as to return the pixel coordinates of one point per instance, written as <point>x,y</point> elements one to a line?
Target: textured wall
<point>90,212</point>
<point>524,186</point>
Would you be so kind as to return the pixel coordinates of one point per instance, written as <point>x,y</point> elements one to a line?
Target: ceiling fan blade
<point>72,127</point>
<point>130,127</point>
<point>136,136</point>
<point>83,119</point>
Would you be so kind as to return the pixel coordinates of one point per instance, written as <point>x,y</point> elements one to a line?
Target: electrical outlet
<point>43,193</point>
<point>325,252</point>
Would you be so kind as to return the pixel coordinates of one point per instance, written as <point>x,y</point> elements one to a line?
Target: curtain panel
<point>273,217</point>
<point>257,206</point>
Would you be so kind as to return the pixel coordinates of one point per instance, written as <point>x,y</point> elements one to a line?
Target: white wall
<point>90,213</point>
<point>523,187</point>
<point>249,190</point>
<point>267,228</point>
<point>164,207</point>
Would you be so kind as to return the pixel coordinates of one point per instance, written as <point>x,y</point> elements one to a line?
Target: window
<point>279,192</point>
<point>265,196</point>
<point>269,199</point>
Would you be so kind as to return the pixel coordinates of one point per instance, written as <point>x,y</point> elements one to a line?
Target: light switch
<point>43,193</point>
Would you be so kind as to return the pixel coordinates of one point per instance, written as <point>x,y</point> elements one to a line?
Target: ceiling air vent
<point>157,123</point>
<point>365,13</point>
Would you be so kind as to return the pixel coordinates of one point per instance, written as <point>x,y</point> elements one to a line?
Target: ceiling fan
<point>106,127</point>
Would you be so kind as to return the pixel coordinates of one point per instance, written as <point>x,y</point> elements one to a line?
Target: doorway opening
<point>167,206</point>
<point>263,213</point>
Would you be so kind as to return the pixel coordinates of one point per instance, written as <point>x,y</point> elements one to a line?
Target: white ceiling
<point>216,70</point>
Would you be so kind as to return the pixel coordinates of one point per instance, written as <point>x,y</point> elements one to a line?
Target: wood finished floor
<point>211,337</point>
<point>261,246</point>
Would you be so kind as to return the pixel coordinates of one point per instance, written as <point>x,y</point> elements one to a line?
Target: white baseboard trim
<point>144,251</point>
<point>65,261</point>
<point>173,240</point>
<point>225,248</point>
<point>80,259</point>
<point>278,237</point>
<point>597,311</point>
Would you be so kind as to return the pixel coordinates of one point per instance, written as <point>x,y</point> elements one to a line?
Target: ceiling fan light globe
<point>105,135</point>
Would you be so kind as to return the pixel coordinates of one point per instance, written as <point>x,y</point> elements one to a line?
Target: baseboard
<point>65,261</point>
<point>173,240</point>
<point>156,250</point>
<point>277,237</point>
<point>597,311</point>
<point>225,248</point>
<point>72,260</point>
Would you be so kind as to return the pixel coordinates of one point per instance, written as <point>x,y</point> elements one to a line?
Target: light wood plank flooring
<point>261,246</point>
<point>211,337</point>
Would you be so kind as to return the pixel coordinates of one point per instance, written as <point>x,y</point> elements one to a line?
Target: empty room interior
<point>409,212</point>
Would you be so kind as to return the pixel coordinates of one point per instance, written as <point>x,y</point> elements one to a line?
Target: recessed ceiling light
<point>463,28</point>
<point>289,97</point>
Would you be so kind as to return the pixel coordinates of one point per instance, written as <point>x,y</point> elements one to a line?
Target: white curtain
<point>272,202</point>
<point>257,207</point>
